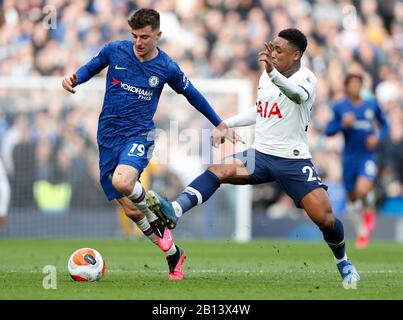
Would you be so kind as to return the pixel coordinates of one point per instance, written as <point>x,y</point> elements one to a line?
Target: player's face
<point>145,41</point>
<point>353,87</point>
<point>284,55</point>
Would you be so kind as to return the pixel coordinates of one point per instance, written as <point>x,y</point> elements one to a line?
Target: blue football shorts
<point>297,177</point>
<point>358,167</point>
<point>135,153</point>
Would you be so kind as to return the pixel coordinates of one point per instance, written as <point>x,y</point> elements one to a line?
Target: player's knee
<point>360,193</point>
<point>220,171</point>
<point>327,222</point>
<point>123,186</point>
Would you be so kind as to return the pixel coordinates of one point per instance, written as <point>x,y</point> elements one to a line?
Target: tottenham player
<point>286,93</point>
<point>358,120</point>
<point>137,73</point>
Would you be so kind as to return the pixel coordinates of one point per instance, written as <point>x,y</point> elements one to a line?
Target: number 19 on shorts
<point>137,150</point>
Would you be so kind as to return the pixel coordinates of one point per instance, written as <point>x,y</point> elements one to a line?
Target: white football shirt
<point>281,124</point>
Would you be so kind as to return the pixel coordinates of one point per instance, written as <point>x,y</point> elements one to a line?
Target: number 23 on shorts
<point>311,173</point>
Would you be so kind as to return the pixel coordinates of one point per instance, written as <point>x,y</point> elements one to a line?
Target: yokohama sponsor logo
<point>134,89</point>
<point>142,94</point>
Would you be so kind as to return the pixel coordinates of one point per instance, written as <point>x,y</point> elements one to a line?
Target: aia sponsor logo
<point>266,111</point>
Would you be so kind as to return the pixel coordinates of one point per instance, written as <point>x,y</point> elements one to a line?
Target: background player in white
<point>286,93</point>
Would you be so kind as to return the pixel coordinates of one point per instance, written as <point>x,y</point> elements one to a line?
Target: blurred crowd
<point>217,39</point>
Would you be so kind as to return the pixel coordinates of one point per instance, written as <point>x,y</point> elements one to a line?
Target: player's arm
<point>221,131</point>
<point>297,92</point>
<point>372,141</point>
<point>87,71</point>
<point>244,119</point>
<point>336,124</point>
<point>293,91</point>
<point>182,85</point>
<point>384,127</point>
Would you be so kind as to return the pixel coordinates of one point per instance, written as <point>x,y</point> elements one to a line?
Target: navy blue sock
<point>199,191</point>
<point>335,239</point>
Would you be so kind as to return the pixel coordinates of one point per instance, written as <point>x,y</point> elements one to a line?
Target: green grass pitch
<point>262,270</point>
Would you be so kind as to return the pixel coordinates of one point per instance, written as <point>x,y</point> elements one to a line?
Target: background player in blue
<point>138,71</point>
<point>286,93</point>
<point>357,119</point>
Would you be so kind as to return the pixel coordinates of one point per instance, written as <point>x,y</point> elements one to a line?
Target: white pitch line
<point>250,271</point>
<point>218,271</point>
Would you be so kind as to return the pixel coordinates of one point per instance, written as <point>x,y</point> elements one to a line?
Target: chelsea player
<point>137,73</point>
<point>357,119</point>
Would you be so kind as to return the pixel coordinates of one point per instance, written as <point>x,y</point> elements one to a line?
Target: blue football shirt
<point>367,116</point>
<point>133,89</point>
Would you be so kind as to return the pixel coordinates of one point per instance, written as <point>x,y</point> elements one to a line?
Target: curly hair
<point>294,37</point>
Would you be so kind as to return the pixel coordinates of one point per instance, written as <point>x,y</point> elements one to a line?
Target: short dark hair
<point>351,76</point>
<point>295,37</point>
<point>144,17</point>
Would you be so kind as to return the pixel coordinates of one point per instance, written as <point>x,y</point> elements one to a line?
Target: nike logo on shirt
<point>119,68</point>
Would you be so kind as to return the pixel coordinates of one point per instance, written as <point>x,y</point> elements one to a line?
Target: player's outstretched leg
<point>199,191</point>
<point>162,208</point>
<point>317,205</point>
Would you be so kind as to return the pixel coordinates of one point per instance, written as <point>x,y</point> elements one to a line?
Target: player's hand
<point>348,120</point>
<point>372,142</point>
<point>265,56</point>
<point>233,137</point>
<point>70,82</point>
<point>222,132</point>
<point>218,135</point>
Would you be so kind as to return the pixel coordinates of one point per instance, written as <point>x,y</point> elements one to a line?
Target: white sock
<point>369,200</point>
<point>342,259</point>
<point>171,251</point>
<point>144,226</point>
<point>178,209</point>
<point>137,192</point>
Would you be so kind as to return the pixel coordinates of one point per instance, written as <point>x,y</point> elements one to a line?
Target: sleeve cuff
<point>228,123</point>
<point>272,74</point>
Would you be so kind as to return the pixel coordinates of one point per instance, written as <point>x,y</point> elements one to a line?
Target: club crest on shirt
<point>369,114</point>
<point>153,81</point>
